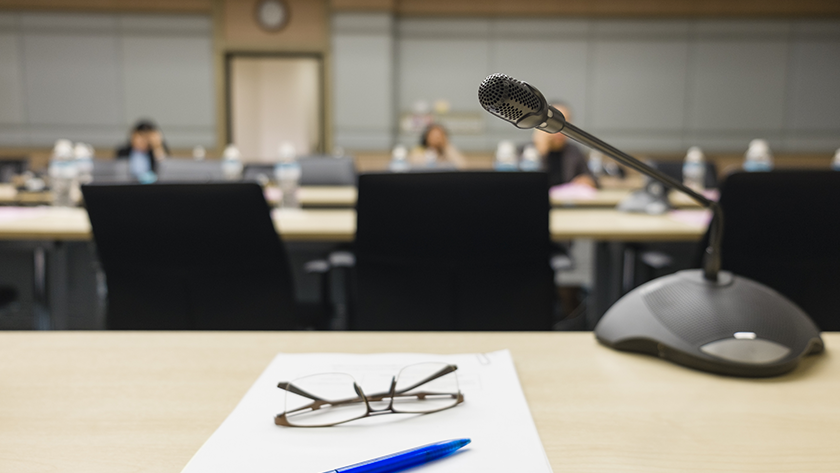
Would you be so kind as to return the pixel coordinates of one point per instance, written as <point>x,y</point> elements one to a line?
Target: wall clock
<point>272,15</point>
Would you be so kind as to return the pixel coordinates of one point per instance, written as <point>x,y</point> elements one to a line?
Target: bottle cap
<point>400,153</point>
<point>695,155</point>
<point>231,152</point>
<point>506,152</point>
<point>63,149</point>
<point>287,151</point>
<point>530,153</point>
<point>82,151</point>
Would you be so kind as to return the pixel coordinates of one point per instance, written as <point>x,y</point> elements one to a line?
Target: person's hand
<point>156,144</point>
<point>542,141</point>
<point>584,179</point>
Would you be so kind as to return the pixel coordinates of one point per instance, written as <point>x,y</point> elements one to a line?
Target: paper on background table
<point>494,415</point>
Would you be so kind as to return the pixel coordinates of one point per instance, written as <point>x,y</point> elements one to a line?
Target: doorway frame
<point>322,109</point>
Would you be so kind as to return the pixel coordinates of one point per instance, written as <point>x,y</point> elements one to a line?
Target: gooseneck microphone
<point>710,320</point>
<point>525,107</point>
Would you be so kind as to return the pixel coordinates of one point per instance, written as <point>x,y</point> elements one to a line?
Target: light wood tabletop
<point>309,196</point>
<point>611,198</point>
<point>346,196</point>
<point>57,223</point>
<point>145,402</point>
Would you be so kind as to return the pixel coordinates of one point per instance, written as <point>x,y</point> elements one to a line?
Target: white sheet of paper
<point>494,415</point>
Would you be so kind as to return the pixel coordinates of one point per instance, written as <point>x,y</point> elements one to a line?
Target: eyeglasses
<point>323,400</point>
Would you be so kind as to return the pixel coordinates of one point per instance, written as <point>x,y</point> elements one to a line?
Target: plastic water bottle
<point>430,157</point>
<point>287,172</point>
<point>530,159</point>
<point>506,156</point>
<point>835,163</point>
<point>758,157</point>
<point>694,169</point>
<point>83,153</point>
<point>231,163</point>
<point>596,163</point>
<point>62,171</point>
<point>199,153</point>
<point>399,159</point>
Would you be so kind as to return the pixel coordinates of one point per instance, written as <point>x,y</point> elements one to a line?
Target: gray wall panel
<point>72,79</point>
<point>177,24</point>
<point>648,84</point>
<point>82,23</point>
<point>11,80</point>
<point>738,85</point>
<point>87,76</point>
<point>541,29</point>
<point>814,101</point>
<point>638,85</point>
<point>562,75</point>
<point>444,28</point>
<point>169,79</point>
<point>363,82</point>
<point>449,69</point>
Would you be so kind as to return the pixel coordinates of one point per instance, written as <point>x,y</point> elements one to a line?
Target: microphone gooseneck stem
<point>712,262</point>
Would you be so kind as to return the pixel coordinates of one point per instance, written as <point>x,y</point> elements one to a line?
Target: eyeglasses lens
<point>335,400</point>
<point>415,395</point>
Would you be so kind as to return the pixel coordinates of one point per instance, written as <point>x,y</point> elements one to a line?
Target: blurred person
<point>436,149</point>
<point>564,162</point>
<point>145,148</point>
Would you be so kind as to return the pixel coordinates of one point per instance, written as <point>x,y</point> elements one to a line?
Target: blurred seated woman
<point>564,162</point>
<point>145,148</point>
<point>435,150</point>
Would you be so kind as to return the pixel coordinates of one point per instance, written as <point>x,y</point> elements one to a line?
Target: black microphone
<point>524,106</point>
<point>707,319</point>
<point>519,103</point>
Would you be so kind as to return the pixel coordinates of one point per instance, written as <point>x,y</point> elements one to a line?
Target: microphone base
<point>734,326</point>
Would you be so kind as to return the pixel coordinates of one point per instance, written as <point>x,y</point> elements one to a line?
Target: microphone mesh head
<point>507,97</point>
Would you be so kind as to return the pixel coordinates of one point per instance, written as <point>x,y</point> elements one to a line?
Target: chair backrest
<point>327,171</point>
<point>674,169</point>
<point>258,172</point>
<point>190,256</point>
<point>453,251</point>
<point>190,170</point>
<point>10,167</point>
<point>782,229</point>
<point>111,170</point>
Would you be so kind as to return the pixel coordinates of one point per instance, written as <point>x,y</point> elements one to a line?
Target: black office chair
<point>11,167</point>
<point>190,170</point>
<point>674,169</point>
<point>327,171</point>
<point>782,229</point>
<point>453,251</point>
<point>314,171</point>
<point>191,256</point>
<point>111,171</point>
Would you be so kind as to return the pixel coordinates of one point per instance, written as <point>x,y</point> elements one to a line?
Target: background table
<point>145,402</point>
<point>56,223</point>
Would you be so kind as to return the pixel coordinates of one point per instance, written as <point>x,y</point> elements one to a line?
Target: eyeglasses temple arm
<point>287,386</point>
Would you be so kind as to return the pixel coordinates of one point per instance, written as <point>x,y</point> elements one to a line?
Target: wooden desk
<point>55,223</point>
<point>310,196</point>
<point>611,198</point>
<point>142,401</point>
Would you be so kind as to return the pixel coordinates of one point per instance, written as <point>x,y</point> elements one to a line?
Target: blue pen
<point>405,459</point>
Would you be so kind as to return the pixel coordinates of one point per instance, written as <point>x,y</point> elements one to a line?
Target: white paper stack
<point>494,415</point>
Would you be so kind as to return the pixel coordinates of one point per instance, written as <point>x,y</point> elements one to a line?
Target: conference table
<point>309,196</point>
<point>146,401</point>
<point>62,223</point>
